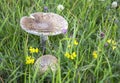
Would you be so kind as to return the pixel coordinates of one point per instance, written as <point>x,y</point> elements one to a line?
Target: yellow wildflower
<point>29,60</point>
<point>113,47</point>
<point>75,42</point>
<point>33,50</point>
<point>70,56</point>
<point>113,43</point>
<point>67,55</point>
<point>95,55</point>
<point>109,41</point>
<point>36,50</point>
<point>74,54</point>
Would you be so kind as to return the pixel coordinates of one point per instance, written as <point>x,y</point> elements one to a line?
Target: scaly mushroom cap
<point>45,62</point>
<point>44,24</point>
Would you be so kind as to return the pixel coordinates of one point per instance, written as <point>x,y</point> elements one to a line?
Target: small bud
<point>102,35</point>
<point>60,7</point>
<point>106,44</point>
<point>45,8</point>
<point>64,31</point>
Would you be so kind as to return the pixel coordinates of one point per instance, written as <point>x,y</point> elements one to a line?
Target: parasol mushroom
<point>45,62</point>
<point>44,25</point>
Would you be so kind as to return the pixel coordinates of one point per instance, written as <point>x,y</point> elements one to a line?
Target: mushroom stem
<point>43,40</point>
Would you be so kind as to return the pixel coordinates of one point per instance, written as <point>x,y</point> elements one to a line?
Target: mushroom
<point>43,25</point>
<point>46,62</point>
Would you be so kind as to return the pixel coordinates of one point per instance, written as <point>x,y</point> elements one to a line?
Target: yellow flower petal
<point>28,57</point>
<point>32,61</point>
<point>95,55</point>
<point>33,50</point>
<point>71,57</point>
<point>74,54</point>
<point>36,50</point>
<point>29,60</point>
<point>113,47</point>
<point>113,42</point>
<point>67,55</point>
<point>75,42</point>
<point>109,41</point>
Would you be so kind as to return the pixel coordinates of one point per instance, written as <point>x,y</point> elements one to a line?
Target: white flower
<point>60,7</point>
<point>114,4</point>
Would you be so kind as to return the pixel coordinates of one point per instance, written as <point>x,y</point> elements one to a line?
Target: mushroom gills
<point>44,25</point>
<point>45,62</point>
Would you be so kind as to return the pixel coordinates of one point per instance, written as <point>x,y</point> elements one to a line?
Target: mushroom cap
<point>46,62</point>
<point>44,24</point>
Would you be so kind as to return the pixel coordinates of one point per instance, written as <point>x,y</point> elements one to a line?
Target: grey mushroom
<point>44,25</point>
<point>46,62</point>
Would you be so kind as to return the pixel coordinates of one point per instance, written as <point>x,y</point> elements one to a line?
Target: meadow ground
<point>93,39</point>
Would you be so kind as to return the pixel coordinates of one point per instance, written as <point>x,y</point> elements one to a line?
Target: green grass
<point>86,20</point>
